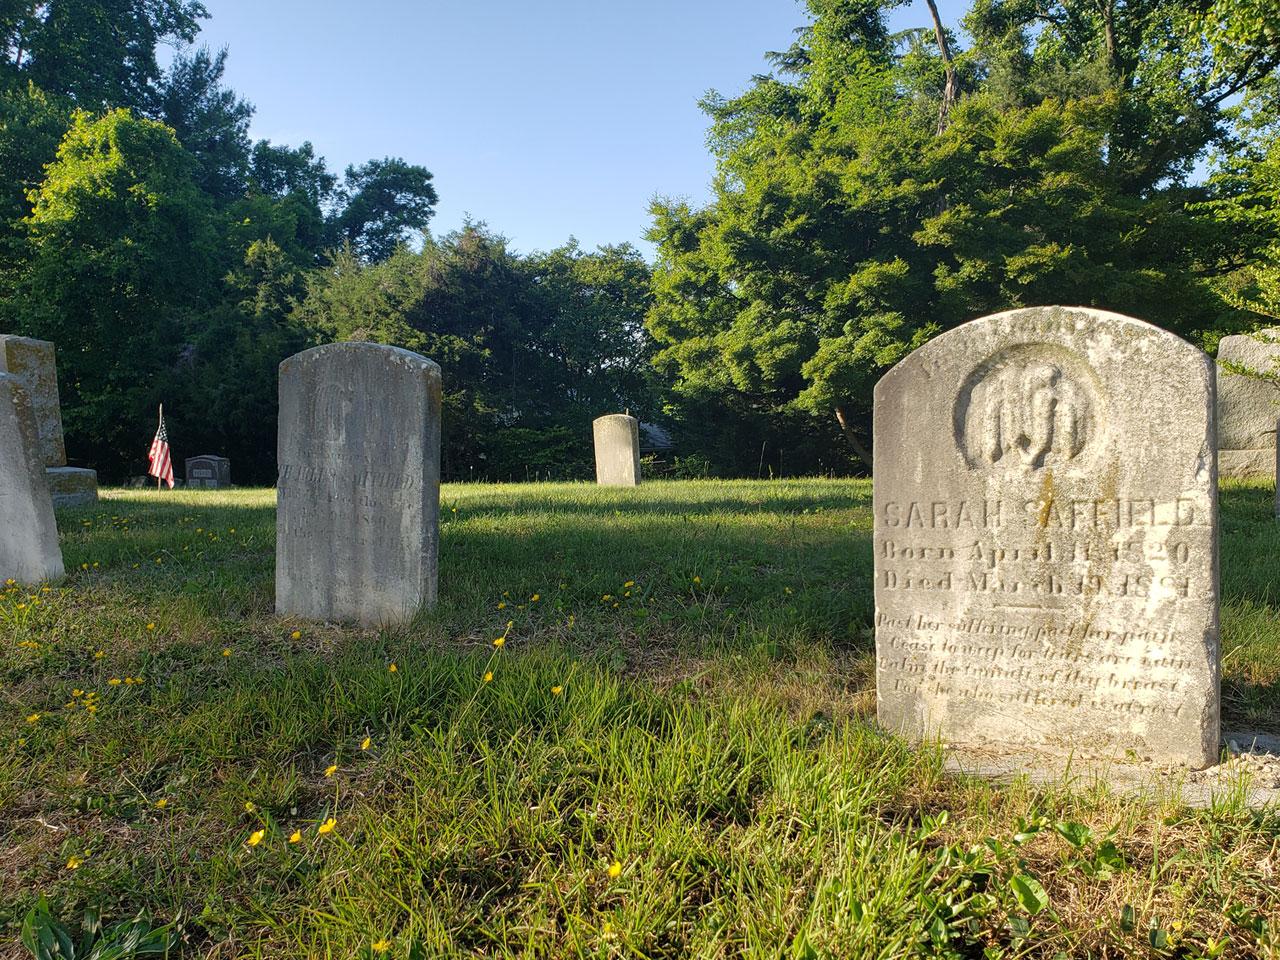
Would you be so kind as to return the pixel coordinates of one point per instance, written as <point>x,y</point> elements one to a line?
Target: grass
<point>674,756</point>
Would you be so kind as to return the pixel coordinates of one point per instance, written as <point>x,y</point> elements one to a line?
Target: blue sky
<point>544,118</point>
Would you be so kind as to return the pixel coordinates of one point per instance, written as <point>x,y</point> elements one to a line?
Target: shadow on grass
<point>727,563</point>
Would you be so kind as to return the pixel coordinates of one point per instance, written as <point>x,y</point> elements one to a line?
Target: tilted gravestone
<point>358,494</point>
<point>34,363</point>
<point>208,471</point>
<point>1046,566</point>
<point>1248,403</point>
<point>617,442</point>
<point>29,551</point>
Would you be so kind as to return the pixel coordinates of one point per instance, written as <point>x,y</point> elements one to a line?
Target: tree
<point>31,125</point>
<point>538,345</point>
<point>122,252</point>
<point>381,204</point>
<point>882,189</point>
<point>97,53</point>
<point>210,120</point>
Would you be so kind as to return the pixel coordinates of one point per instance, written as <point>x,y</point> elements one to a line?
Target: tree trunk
<point>1109,31</point>
<point>855,442</point>
<point>950,90</point>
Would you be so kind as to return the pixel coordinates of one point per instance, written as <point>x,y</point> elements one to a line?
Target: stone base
<point>1247,463</point>
<point>72,486</point>
<point>1250,763</point>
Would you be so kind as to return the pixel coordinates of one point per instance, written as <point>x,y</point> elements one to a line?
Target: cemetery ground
<point>637,724</point>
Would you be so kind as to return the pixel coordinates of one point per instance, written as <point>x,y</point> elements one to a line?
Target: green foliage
<point>384,203</point>
<point>31,125</point>
<point>96,53</point>
<point>122,253</point>
<point>542,343</point>
<point>209,120</point>
<point>849,224</point>
<point>49,939</point>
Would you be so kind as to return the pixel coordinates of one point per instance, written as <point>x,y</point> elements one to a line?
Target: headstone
<point>358,494</point>
<point>1248,404</point>
<point>34,363</point>
<point>29,550</point>
<point>209,471</point>
<point>617,440</point>
<point>1046,565</point>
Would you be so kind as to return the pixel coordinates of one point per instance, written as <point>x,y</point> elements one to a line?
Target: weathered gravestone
<point>358,494</point>
<point>1046,567</point>
<point>33,362</point>
<point>208,471</point>
<point>617,441</point>
<point>29,550</point>
<point>1248,403</point>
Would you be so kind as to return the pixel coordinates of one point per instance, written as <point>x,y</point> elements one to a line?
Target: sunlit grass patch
<point>670,753</point>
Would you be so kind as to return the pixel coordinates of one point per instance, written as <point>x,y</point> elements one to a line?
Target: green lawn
<point>674,756</point>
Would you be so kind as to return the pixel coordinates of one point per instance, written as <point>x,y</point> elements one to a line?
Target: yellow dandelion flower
<point>151,626</point>
<point>557,690</point>
<point>535,598</point>
<point>296,635</point>
<point>327,826</point>
<point>162,803</point>
<point>383,945</point>
<point>502,605</point>
<point>697,579</point>
<point>92,708</point>
<point>99,654</point>
<point>295,836</point>
<point>366,743</point>
<point>226,651</point>
<point>488,677</point>
<point>255,838</point>
<point>114,681</point>
<point>391,667</point>
<point>330,770</point>
<point>499,641</point>
<point>33,718</point>
<point>84,566</point>
<point>629,584</point>
<point>615,869</point>
<point>77,693</point>
<point>249,806</point>
<point>74,862</point>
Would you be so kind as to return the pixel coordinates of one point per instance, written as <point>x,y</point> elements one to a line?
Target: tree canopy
<point>878,189</point>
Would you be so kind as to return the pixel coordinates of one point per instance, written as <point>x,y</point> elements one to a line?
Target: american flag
<point>161,466</point>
